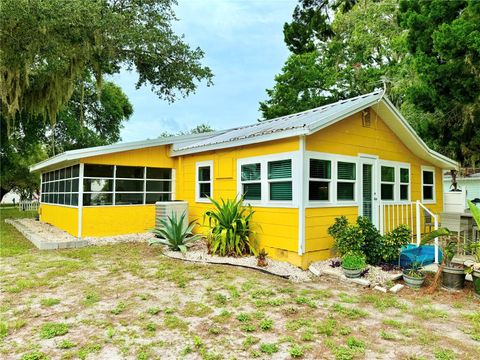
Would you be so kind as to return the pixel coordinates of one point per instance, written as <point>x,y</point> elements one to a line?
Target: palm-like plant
<point>230,232</point>
<point>174,232</point>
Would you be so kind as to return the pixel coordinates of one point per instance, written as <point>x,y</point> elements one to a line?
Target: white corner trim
<point>302,193</point>
<point>80,199</point>
<point>198,165</point>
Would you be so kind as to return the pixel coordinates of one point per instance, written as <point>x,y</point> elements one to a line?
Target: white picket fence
<point>413,214</point>
<point>28,205</point>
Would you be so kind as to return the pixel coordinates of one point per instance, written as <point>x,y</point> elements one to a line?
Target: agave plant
<point>230,232</point>
<point>174,232</point>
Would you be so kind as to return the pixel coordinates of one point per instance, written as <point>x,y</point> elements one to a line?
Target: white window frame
<point>265,182</point>
<point>198,165</point>
<point>432,170</point>
<point>334,159</point>
<point>396,187</point>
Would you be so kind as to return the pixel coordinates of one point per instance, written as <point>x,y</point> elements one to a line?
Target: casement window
<point>387,183</point>
<point>267,180</point>
<point>204,181</point>
<point>404,184</point>
<point>251,181</point>
<point>346,177</point>
<point>125,185</point>
<point>60,186</point>
<point>280,180</point>
<point>319,180</point>
<point>428,185</point>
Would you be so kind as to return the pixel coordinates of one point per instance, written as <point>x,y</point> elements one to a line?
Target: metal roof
<point>290,125</point>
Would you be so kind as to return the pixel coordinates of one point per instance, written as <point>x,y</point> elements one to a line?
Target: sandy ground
<point>127,301</point>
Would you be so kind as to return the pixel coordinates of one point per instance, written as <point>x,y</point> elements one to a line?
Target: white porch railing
<point>28,205</point>
<point>413,214</point>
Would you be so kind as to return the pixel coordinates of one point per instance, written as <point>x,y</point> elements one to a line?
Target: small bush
<point>50,330</point>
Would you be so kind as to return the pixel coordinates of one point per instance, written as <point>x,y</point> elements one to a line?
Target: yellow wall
<point>349,137</point>
<point>63,217</point>
<point>117,220</point>
<point>278,230</point>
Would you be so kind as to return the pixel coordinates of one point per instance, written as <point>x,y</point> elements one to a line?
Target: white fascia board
<point>241,142</point>
<point>444,160</point>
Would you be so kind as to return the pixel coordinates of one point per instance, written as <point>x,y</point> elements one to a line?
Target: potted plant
<point>453,275</point>
<point>353,264</point>
<point>474,268</point>
<point>262,258</point>
<point>413,276</point>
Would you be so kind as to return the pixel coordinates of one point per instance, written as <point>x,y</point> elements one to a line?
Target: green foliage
<point>230,232</point>
<point>35,355</point>
<point>296,351</point>
<point>175,233</point>
<point>49,302</point>
<point>269,348</point>
<point>51,330</point>
<point>364,238</point>
<point>353,261</point>
<point>392,242</point>
<point>48,45</point>
<point>66,344</point>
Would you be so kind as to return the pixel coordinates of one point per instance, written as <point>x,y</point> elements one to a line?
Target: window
<point>428,185</point>
<point>125,185</point>
<point>251,181</point>
<point>280,180</point>
<point>404,184</point>
<point>267,180</point>
<point>387,183</point>
<point>204,183</point>
<point>60,186</point>
<point>346,176</point>
<point>319,181</point>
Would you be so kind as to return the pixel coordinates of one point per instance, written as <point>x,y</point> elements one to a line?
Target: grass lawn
<point>128,301</point>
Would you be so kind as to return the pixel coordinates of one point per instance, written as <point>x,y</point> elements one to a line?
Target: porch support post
<point>419,225</point>
<point>80,200</point>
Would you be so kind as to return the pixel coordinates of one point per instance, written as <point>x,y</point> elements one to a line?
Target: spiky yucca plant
<point>174,233</point>
<point>230,232</point>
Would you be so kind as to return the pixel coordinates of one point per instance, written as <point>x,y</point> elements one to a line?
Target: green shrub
<point>393,241</point>
<point>174,233</point>
<point>353,261</point>
<point>364,238</point>
<point>36,355</point>
<point>230,232</point>
<point>348,238</point>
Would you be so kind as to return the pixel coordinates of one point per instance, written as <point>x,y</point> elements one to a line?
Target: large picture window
<point>60,186</point>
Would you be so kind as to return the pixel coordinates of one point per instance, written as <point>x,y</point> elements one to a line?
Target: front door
<point>368,190</point>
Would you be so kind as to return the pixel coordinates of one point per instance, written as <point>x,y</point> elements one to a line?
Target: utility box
<point>163,209</point>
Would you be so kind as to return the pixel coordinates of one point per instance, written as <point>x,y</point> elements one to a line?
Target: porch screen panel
<point>60,186</point>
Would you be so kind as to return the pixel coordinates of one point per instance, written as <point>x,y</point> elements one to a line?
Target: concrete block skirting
<point>42,243</point>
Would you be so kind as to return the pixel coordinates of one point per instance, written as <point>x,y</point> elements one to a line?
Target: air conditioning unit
<point>163,209</point>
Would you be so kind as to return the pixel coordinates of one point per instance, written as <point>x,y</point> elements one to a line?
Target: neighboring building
<point>468,182</point>
<point>10,198</point>
<point>299,172</point>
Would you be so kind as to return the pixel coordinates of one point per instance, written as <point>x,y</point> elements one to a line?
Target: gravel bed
<point>46,232</point>
<point>280,268</point>
<point>117,239</point>
<point>376,276</point>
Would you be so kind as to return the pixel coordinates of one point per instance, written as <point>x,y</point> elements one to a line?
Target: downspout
<point>301,196</point>
<point>80,200</point>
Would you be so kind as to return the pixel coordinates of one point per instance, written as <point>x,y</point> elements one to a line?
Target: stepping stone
<point>396,288</point>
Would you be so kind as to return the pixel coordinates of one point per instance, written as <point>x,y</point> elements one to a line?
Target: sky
<point>243,45</point>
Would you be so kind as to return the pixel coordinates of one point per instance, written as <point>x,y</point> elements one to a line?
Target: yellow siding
<point>277,228</point>
<point>349,137</point>
<point>63,217</point>
<point>157,156</point>
<point>117,220</point>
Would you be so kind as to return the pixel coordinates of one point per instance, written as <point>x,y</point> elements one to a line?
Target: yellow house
<point>353,157</point>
